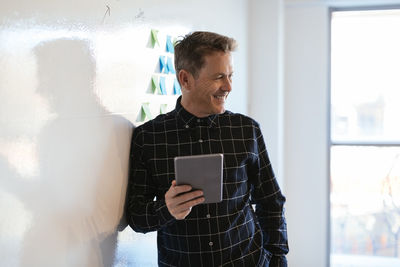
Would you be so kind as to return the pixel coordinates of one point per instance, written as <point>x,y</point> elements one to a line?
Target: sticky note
<point>146,112</point>
<point>177,87</point>
<point>170,46</point>
<point>170,66</point>
<point>142,115</point>
<point>155,86</point>
<point>163,108</point>
<point>162,86</point>
<point>154,38</point>
<point>162,64</point>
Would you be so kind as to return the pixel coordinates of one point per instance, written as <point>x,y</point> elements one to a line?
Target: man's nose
<point>227,84</point>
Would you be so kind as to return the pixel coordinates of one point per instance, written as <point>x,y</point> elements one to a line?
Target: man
<point>190,233</point>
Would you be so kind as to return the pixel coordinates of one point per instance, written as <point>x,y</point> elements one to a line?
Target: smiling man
<point>191,233</point>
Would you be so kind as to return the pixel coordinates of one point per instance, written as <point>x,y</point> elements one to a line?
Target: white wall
<point>306,133</point>
<point>265,82</point>
<point>72,80</point>
<point>288,90</point>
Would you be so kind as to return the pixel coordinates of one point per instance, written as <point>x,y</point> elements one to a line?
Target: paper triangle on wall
<point>169,46</point>
<point>154,38</point>
<point>163,108</point>
<point>155,86</point>
<point>145,112</point>
<point>170,66</point>
<point>177,87</point>
<point>162,86</point>
<point>162,64</point>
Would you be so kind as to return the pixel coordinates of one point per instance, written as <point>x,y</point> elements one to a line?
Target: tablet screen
<point>201,172</point>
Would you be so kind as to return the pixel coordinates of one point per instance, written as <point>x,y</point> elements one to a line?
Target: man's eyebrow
<point>223,74</point>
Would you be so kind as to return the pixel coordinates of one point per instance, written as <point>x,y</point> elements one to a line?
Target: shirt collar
<point>189,120</point>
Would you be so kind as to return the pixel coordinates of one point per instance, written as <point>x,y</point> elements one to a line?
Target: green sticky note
<point>146,111</point>
<point>142,115</point>
<point>154,38</point>
<point>163,108</point>
<point>155,85</point>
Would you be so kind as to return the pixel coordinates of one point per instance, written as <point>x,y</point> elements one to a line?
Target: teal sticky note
<point>177,87</point>
<point>170,66</point>
<point>170,46</point>
<point>162,86</point>
<point>162,63</point>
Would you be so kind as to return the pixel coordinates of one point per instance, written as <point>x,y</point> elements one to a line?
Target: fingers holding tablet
<point>180,200</point>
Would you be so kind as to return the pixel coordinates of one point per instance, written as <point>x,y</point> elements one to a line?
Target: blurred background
<point>76,77</point>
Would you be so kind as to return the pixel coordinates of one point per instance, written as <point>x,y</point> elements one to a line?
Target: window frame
<point>330,142</point>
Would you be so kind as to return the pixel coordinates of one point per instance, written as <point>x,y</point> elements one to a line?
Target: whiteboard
<point>74,78</point>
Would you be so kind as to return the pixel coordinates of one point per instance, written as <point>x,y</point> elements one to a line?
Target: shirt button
<point>198,120</point>
<point>208,216</point>
<point>186,126</point>
<point>210,243</point>
<point>201,140</point>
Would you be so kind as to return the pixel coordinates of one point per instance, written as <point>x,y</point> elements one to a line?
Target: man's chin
<point>220,110</point>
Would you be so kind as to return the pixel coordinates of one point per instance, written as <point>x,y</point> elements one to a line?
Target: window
<point>365,138</point>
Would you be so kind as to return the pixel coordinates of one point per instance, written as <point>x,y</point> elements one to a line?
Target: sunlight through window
<point>365,138</point>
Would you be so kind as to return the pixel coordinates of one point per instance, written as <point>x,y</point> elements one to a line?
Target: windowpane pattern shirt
<point>229,233</point>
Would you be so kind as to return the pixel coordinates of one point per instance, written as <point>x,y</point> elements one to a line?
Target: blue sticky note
<point>162,86</point>
<point>162,63</point>
<point>170,47</point>
<point>170,66</point>
<point>177,87</point>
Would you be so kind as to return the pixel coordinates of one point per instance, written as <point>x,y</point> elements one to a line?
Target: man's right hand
<point>180,200</point>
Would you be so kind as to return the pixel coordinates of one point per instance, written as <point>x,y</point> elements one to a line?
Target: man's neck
<point>189,107</point>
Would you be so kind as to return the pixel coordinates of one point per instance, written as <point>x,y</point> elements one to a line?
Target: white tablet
<point>201,172</point>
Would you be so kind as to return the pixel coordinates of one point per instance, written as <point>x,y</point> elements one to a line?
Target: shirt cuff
<point>278,261</point>
<point>164,215</point>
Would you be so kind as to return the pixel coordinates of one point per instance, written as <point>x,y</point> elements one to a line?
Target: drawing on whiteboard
<point>140,15</point>
<point>108,11</point>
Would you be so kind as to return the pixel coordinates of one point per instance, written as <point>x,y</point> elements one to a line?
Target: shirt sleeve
<point>269,201</point>
<point>144,212</point>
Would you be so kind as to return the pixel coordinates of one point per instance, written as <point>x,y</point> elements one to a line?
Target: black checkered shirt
<point>229,233</point>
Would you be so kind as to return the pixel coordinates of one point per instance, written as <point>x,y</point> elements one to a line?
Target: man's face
<point>212,86</point>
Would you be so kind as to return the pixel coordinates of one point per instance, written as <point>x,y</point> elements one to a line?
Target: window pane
<point>365,206</point>
<point>365,76</point>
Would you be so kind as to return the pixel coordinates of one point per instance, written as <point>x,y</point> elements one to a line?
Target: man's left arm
<point>269,201</point>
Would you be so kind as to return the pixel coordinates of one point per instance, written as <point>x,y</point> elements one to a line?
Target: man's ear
<point>185,79</point>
